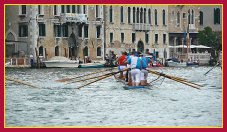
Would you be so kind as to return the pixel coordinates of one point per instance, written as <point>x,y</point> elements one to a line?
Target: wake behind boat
<point>61,62</point>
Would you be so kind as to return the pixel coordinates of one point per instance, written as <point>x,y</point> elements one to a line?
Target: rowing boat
<point>127,87</point>
<point>136,87</point>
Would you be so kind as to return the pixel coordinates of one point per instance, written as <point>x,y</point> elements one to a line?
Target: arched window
<point>172,16</point>
<point>97,9</point>
<point>129,15</point>
<point>141,15</point>
<point>163,17</point>
<point>217,16</point>
<point>178,18</point>
<point>145,16</point>
<point>57,51</point>
<point>122,16</point>
<point>201,18</point>
<point>189,17</point>
<point>85,51</point>
<point>149,16</point>
<point>134,15</point>
<point>137,15</point>
<point>111,14</point>
<point>99,51</point>
<point>41,51</point>
<point>156,16</point>
<point>192,17</point>
<point>78,9</point>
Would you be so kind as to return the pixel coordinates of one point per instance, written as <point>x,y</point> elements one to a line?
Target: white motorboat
<point>61,62</point>
<point>174,62</point>
<point>93,64</point>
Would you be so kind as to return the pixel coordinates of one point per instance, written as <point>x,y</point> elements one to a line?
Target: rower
<point>122,65</point>
<point>135,65</point>
<point>128,72</point>
<point>144,72</point>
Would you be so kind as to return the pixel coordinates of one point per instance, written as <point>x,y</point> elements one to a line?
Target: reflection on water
<point>106,103</point>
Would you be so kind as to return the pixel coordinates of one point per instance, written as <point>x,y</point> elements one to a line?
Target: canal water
<point>107,104</point>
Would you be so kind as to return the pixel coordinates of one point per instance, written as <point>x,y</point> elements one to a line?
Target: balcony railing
<point>74,17</point>
<point>203,58</point>
<point>17,62</point>
<point>140,27</point>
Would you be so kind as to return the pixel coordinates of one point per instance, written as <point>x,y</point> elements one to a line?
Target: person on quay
<point>135,66</point>
<point>122,65</point>
<point>144,72</point>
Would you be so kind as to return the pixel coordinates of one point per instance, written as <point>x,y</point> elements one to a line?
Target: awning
<point>191,46</point>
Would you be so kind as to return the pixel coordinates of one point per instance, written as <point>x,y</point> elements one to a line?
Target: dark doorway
<point>57,51</point>
<point>85,51</point>
<point>41,51</point>
<point>72,43</point>
<point>140,46</point>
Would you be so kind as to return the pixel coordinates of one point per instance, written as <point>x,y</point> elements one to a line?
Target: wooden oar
<point>161,74</point>
<point>94,81</point>
<point>69,79</point>
<point>188,83</point>
<point>180,80</point>
<point>212,68</point>
<point>21,82</point>
<point>88,78</point>
<point>105,76</point>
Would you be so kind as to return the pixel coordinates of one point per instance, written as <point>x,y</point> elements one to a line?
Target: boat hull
<point>136,87</point>
<point>91,65</point>
<point>176,64</point>
<point>193,64</point>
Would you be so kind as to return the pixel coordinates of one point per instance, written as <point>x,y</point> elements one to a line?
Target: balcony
<point>140,27</point>
<point>74,17</point>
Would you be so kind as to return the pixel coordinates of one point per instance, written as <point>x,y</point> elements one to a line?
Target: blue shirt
<point>138,63</point>
<point>145,62</point>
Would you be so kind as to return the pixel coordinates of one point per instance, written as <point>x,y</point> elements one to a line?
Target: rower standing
<point>135,65</point>
<point>144,72</point>
<point>122,65</point>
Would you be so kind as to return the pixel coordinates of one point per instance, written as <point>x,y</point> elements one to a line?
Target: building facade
<point>137,28</point>
<point>211,15</point>
<point>73,31</point>
<point>183,21</point>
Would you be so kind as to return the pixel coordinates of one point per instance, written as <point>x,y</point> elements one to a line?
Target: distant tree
<point>209,38</point>
<point>212,39</point>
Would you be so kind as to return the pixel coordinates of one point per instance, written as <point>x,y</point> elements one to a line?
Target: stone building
<point>183,21</point>
<point>73,31</point>
<point>211,15</point>
<point>141,28</point>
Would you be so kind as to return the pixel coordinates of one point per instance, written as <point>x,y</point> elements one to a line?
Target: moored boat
<point>194,63</point>
<point>174,62</point>
<point>91,65</point>
<point>95,64</point>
